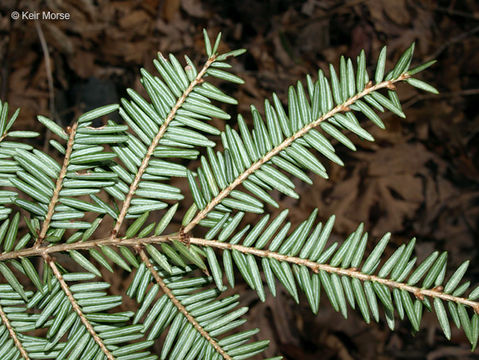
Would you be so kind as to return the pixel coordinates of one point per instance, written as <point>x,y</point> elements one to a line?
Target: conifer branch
<point>58,187</point>
<point>172,124</point>
<point>351,272</point>
<point>180,306</point>
<point>314,266</point>
<point>154,144</point>
<point>287,142</point>
<point>13,334</point>
<point>76,307</point>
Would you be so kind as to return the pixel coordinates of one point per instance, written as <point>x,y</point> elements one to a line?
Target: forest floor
<point>419,178</point>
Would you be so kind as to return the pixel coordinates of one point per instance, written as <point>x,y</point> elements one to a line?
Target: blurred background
<point>420,178</point>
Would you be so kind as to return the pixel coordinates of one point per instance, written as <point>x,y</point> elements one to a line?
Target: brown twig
<point>82,245</point>
<point>6,57</point>
<point>13,334</point>
<point>452,12</point>
<point>48,70</point>
<point>287,142</point>
<point>180,306</point>
<point>48,67</point>
<point>452,41</point>
<point>449,94</point>
<point>58,187</point>
<point>154,144</point>
<point>76,307</point>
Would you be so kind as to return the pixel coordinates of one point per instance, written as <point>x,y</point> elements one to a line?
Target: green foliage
<point>8,164</point>
<point>217,316</point>
<point>124,170</point>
